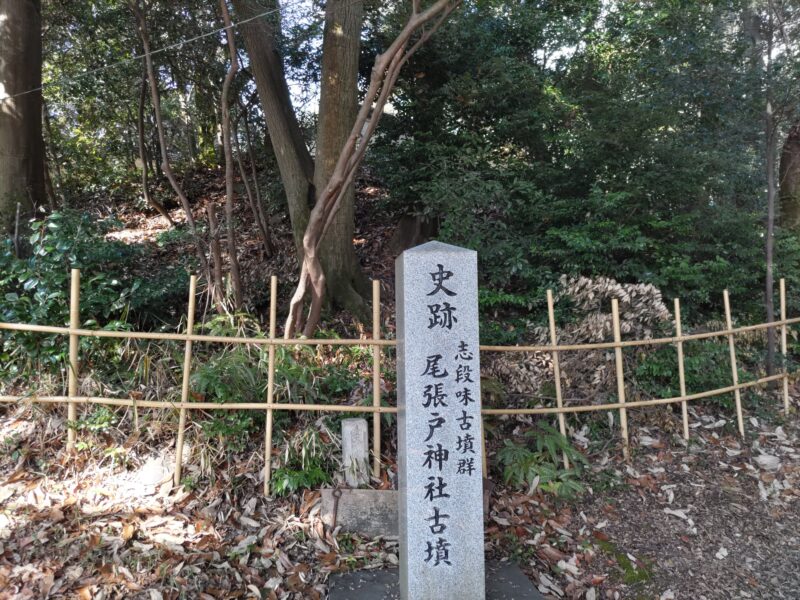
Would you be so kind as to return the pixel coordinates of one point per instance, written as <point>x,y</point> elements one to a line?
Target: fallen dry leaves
<point>82,528</point>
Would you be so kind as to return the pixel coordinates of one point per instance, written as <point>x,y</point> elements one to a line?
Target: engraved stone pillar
<point>439,424</point>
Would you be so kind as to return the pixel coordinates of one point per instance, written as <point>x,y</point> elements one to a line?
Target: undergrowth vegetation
<point>529,457</point>
<point>537,461</point>
<point>35,289</point>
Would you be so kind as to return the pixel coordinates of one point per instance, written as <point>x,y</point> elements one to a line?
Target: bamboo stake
<point>187,370</point>
<point>551,317</point>
<point>681,372</point>
<point>623,415</point>
<point>74,347</point>
<point>376,379</point>
<point>484,456</point>
<point>273,312</point>
<point>784,348</point>
<point>734,370</point>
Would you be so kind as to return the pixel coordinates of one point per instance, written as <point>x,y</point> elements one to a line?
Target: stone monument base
<point>504,581</point>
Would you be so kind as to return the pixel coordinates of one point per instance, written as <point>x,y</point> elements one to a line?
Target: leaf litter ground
<point>716,518</point>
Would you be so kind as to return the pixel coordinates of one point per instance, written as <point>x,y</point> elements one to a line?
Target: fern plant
<point>538,463</point>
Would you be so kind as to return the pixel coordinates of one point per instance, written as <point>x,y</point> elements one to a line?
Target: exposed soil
<point>206,187</point>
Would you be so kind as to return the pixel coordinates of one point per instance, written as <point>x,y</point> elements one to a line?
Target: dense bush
<point>609,161</point>
<point>35,288</point>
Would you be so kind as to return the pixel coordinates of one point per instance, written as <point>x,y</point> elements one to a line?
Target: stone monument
<point>439,424</point>
<point>440,476</point>
<point>355,452</point>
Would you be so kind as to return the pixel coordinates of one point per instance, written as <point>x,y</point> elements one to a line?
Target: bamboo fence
<point>75,332</point>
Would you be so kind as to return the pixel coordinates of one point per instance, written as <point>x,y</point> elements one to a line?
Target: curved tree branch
<point>420,25</point>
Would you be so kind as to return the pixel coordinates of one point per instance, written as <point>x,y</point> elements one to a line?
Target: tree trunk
<point>155,99</point>
<point>236,280</point>
<point>771,133</point>
<point>51,159</point>
<point>291,153</point>
<point>21,142</point>
<point>790,180</point>
<point>215,281</point>
<point>421,25</point>
<point>338,106</point>
<point>770,243</point>
<point>143,158</point>
<point>256,206</point>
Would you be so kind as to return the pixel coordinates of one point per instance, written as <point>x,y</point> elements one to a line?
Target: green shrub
<point>707,366</point>
<point>307,464</point>
<point>524,465</point>
<point>100,420</point>
<point>35,289</point>
<point>232,375</point>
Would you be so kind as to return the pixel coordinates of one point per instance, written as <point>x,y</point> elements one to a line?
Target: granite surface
<point>439,425</point>
<point>355,452</point>
<point>370,513</point>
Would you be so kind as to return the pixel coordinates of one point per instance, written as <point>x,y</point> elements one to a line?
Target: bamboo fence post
<point>273,317</point>
<point>551,317</point>
<point>734,371</point>
<point>74,347</point>
<point>187,370</point>
<point>484,456</point>
<point>681,371</point>
<point>784,348</point>
<point>376,379</point>
<point>623,415</point>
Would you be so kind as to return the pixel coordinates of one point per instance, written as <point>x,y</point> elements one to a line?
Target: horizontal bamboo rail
<point>263,406</point>
<point>183,337</point>
<point>222,339</point>
<point>380,409</point>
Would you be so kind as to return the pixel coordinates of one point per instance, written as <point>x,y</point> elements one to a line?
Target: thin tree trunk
<point>251,155</point>
<point>254,201</point>
<point>217,286</point>
<point>50,192</point>
<point>771,150</point>
<point>294,160</point>
<point>162,141</point>
<point>51,160</point>
<point>143,158</point>
<point>21,142</point>
<point>236,280</point>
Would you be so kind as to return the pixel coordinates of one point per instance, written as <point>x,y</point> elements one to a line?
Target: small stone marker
<point>439,424</point>
<point>355,452</point>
